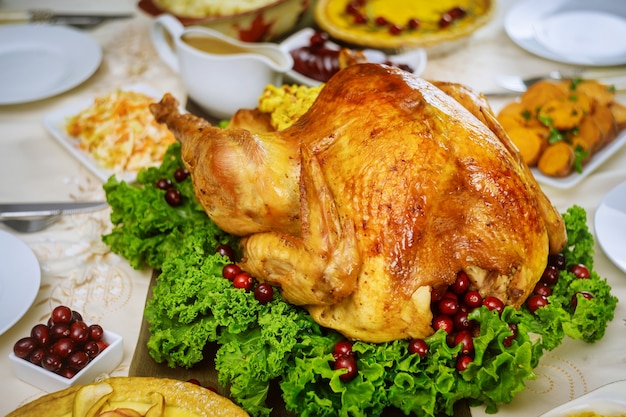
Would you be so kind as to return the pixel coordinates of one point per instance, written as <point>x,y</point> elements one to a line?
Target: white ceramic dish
<point>20,277</point>
<point>579,32</point>
<point>596,160</point>
<point>608,400</point>
<point>48,381</point>
<point>415,58</point>
<point>610,225</point>
<point>55,122</point>
<point>39,61</point>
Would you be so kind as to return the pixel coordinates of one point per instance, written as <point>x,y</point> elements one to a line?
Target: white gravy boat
<point>221,74</point>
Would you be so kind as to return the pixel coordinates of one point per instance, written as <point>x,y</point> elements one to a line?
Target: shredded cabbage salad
<point>119,131</point>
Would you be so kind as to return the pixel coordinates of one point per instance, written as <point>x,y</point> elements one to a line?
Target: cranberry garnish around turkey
<point>348,363</point>
<point>535,302</point>
<point>463,362</point>
<point>580,271</point>
<point>493,303</point>
<point>466,340</point>
<point>418,346</point>
<point>345,359</point>
<point>244,281</point>
<point>574,301</point>
<point>227,251</point>
<point>173,197</point>
<point>264,293</point>
<point>508,341</point>
<point>342,348</point>
<point>230,271</point>
<point>181,174</point>
<point>550,275</point>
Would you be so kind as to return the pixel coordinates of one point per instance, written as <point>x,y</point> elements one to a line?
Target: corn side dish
<point>287,103</point>
<point>120,133</point>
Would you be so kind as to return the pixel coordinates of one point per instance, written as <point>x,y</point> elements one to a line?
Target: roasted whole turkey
<point>376,197</point>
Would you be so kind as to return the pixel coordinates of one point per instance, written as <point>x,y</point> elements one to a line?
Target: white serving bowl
<point>415,58</point>
<point>48,381</point>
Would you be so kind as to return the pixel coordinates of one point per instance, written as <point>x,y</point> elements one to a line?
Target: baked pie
<point>401,24</point>
<point>132,397</point>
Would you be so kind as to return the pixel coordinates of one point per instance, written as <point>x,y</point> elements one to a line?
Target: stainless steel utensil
<point>79,20</point>
<point>517,84</point>
<point>33,217</point>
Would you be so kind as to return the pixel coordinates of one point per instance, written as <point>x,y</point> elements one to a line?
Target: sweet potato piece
<point>583,101</point>
<point>589,136</point>
<point>606,122</point>
<point>530,143</point>
<point>602,94</point>
<point>563,113</point>
<point>557,160</point>
<point>515,109</point>
<point>619,114</point>
<point>539,94</point>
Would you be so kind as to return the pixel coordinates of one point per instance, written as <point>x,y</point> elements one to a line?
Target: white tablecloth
<point>78,270</point>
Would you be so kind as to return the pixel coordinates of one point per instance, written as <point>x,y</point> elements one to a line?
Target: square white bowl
<point>48,381</point>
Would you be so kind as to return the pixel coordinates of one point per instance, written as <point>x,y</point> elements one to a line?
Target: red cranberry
<point>230,271</point>
<point>587,295</point>
<point>550,275</point>
<point>264,293</point>
<point>443,322</point>
<point>342,348</point>
<point>494,304</point>
<point>244,281</point>
<point>465,339</point>
<point>580,271</point>
<point>461,284</point>
<point>348,363</point>
<point>473,299</point>
<point>418,346</point>
<point>463,362</point>
<point>535,302</point>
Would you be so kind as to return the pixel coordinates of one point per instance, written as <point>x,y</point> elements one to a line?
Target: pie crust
<point>332,17</point>
<point>154,397</point>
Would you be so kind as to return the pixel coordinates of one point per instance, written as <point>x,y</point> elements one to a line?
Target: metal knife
<point>25,210</point>
<point>81,20</point>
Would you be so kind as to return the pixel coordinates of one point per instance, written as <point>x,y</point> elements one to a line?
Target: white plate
<point>20,277</point>
<point>55,124</point>
<point>580,32</point>
<point>610,225</point>
<point>608,400</point>
<point>415,58</point>
<point>596,160</point>
<point>39,61</point>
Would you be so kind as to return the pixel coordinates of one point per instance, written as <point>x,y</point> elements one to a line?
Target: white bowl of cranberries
<point>65,351</point>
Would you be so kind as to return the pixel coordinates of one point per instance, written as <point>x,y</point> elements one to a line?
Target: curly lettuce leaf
<point>258,344</point>
<point>146,229</point>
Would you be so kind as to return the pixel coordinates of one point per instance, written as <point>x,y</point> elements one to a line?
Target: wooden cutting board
<point>142,364</point>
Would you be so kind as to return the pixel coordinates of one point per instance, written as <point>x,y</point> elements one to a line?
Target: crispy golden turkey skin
<point>384,190</point>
